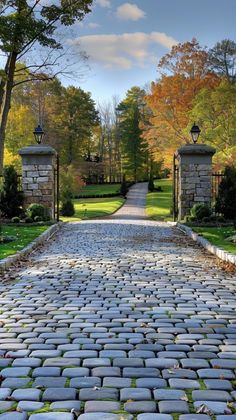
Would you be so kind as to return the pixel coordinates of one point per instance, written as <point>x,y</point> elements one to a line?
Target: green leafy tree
<point>77,121</point>
<point>25,25</point>
<point>215,111</point>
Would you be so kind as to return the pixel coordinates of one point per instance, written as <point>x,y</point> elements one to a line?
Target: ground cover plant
<point>94,207</point>
<point>24,235</point>
<point>217,236</point>
<point>158,205</point>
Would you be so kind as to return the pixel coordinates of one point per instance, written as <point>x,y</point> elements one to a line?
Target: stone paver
<point>123,314</point>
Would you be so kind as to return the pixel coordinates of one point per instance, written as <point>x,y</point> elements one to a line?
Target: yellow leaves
<point>12,159</point>
<point>21,123</point>
<point>171,100</point>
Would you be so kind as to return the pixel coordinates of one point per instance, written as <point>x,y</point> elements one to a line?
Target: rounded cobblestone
<point>116,310</point>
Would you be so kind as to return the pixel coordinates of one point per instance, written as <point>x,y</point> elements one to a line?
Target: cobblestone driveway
<point>120,318</point>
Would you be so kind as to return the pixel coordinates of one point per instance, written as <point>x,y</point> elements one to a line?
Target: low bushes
<point>35,211</point>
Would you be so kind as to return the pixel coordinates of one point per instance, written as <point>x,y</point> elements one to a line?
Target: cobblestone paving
<point>121,318</point>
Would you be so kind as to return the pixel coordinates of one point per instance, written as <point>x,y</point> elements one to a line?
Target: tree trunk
<point>3,83</point>
<point>7,104</point>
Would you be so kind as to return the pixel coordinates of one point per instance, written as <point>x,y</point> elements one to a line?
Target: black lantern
<point>195,133</point>
<point>38,134</point>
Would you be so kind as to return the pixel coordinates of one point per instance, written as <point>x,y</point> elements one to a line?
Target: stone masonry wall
<point>38,184</point>
<point>195,186</point>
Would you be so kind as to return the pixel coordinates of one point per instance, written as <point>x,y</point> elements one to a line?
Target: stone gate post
<point>195,176</point>
<point>38,181</point>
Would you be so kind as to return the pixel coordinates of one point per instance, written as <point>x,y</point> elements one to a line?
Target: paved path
<point>120,318</point>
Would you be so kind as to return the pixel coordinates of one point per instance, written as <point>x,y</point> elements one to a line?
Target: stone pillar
<point>38,164</point>
<point>195,176</point>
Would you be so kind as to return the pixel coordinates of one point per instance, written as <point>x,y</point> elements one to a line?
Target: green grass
<point>100,189</point>
<point>217,235</point>
<point>90,208</point>
<point>158,204</point>
<point>24,235</point>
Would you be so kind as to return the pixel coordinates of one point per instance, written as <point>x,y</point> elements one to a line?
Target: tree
<point>11,199</point>
<point>134,147</point>
<point>77,119</point>
<point>188,59</point>
<point>68,116</point>
<point>226,200</point>
<point>185,72</point>
<point>222,59</point>
<point>215,111</point>
<point>25,25</point>
<point>109,140</point>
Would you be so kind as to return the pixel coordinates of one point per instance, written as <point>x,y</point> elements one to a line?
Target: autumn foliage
<point>176,100</point>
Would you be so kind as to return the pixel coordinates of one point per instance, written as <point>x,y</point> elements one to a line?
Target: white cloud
<point>129,11</point>
<point>122,51</point>
<point>93,25</point>
<point>104,3</point>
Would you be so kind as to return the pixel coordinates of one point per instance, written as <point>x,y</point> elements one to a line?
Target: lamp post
<point>195,133</point>
<point>38,134</point>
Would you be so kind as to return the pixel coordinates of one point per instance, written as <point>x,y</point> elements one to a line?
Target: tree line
<point>195,84</point>
<point>136,136</point>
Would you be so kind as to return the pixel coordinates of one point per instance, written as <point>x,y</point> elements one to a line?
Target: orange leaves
<point>171,98</point>
<point>188,59</point>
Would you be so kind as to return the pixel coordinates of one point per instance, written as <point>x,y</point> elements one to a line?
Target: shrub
<point>28,219</point>
<point>15,219</point>
<point>123,187</point>
<point>67,208</point>
<point>35,210</point>
<point>200,211</point>
<point>151,186</point>
<point>38,219</point>
<point>226,200</point>
<point>11,199</point>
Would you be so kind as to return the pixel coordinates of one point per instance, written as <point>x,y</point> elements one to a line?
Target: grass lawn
<point>90,208</point>
<point>99,189</point>
<point>24,234</point>
<point>217,235</point>
<point>159,203</point>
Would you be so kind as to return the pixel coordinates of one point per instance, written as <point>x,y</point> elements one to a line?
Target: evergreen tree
<point>226,200</point>
<point>11,199</point>
<point>134,147</point>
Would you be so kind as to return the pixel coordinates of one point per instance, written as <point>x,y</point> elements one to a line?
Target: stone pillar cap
<point>37,149</point>
<point>196,149</point>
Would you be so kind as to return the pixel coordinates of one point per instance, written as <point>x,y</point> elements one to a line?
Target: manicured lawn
<point>24,234</point>
<point>99,189</point>
<point>217,235</point>
<point>90,208</point>
<point>158,204</point>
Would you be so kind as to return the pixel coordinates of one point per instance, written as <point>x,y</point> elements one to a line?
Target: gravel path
<point>120,318</point>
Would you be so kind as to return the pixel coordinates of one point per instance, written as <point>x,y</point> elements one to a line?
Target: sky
<point>125,40</point>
